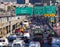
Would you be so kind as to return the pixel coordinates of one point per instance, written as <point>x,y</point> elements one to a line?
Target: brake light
<point>5,43</point>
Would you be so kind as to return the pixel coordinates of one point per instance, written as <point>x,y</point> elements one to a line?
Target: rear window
<point>16,45</point>
<point>2,40</point>
<point>25,21</point>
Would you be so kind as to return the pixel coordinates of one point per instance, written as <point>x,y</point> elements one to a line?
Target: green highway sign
<point>38,10</point>
<point>52,19</point>
<point>49,9</point>
<point>24,11</point>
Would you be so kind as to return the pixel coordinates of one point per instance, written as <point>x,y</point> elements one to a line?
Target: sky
<point>8,0</point>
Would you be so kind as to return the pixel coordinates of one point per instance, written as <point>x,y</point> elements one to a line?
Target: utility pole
<point>57,14</point>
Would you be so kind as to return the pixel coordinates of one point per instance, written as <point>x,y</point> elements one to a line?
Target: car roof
<point>3,38</point>
<point>17,41</point>
<point>25,20</point>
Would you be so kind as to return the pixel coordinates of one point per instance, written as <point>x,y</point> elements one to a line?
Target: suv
<point>26,23</point>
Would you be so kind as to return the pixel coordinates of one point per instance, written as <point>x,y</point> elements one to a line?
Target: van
<point>18,43</point>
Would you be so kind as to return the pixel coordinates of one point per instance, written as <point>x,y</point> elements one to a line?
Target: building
<point>9,24</point>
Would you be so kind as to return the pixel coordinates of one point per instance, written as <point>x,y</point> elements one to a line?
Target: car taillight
<point>5,43</point>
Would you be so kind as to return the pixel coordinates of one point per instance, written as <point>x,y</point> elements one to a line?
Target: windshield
<point>25,21</point>
<point>16,45</point>
<point>2,40</point>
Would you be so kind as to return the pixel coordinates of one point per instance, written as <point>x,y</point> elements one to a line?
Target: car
<point>55,40</point>
<point>11,37</point>
<point>37,26</point>
<point>26,22</point>
<point>26,34</point>
<point>34,44</point>
<point>18,43</point>
<point>4,41</point>
<point>17,30</point>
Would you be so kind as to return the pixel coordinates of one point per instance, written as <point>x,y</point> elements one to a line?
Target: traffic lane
<point>26,45</point>
<point>44,45</point>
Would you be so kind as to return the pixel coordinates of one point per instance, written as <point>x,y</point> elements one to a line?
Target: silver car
<point>34,44</point>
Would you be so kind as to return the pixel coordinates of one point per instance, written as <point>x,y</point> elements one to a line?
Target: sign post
<point>52,20</point>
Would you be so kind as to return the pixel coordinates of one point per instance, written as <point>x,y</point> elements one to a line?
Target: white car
<point>26,23</point>
<point>18,43</point>
<point>26,34</point>
<point>37,26</point>
<point>34,44</point>
<point>56,40</point>
<point>4,41</point>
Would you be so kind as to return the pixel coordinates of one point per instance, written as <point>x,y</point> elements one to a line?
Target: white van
<point>4,42</point>
<point>34,44</point>
<point>18,43</point>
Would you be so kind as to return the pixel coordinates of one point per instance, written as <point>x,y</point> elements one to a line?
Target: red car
<point>17,30</point>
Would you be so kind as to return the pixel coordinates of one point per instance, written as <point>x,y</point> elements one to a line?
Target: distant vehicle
<point>34,44</point>
<point>12,37</point>
<point>26,22</point>
<point>17,30</point>
<point>26,34</point>
<point>4,41</point>
<point>18,43</point>
<point>55,41</point>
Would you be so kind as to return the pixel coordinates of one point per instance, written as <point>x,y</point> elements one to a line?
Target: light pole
<point>57,14</point>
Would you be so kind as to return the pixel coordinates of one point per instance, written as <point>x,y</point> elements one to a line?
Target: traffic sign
<point>49,15</point>
<point>49,9</point>
<point>52,15</point>
<point>38,10</point>
<point>46,15</point>
<point>52,19</point>
<point>24,11</point>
